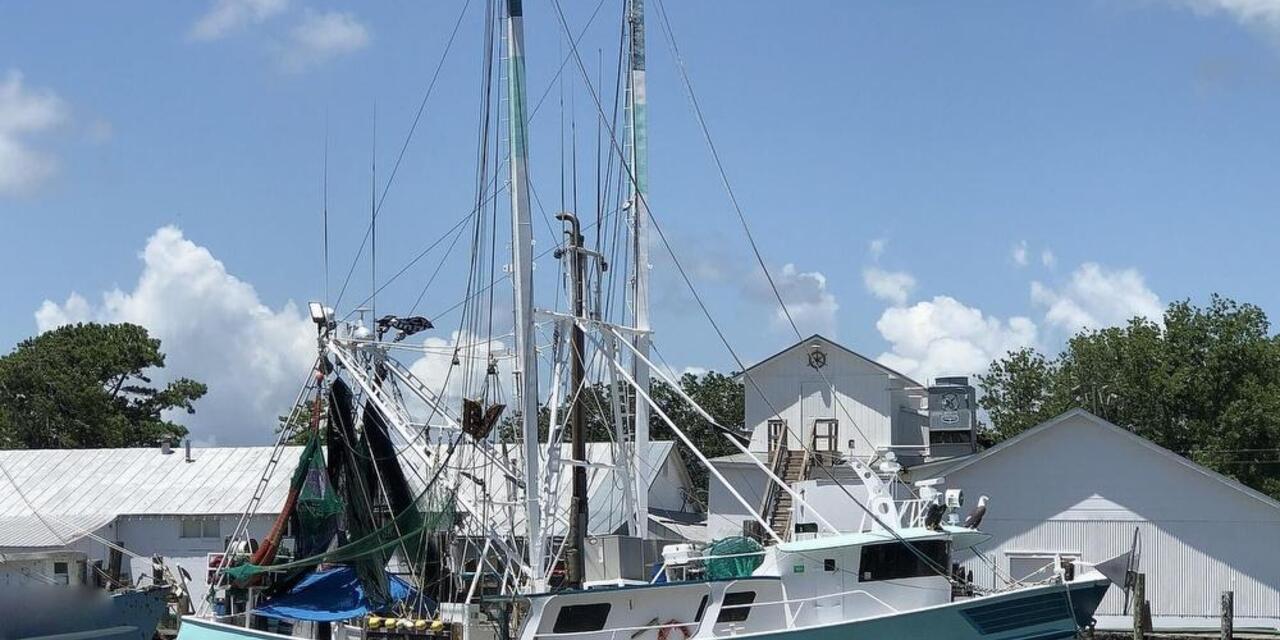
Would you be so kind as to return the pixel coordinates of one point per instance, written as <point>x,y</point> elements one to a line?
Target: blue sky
<point>930,183</point>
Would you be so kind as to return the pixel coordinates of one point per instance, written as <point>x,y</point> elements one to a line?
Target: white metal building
<point>1078,486</point>
<point>145,500</point>
<point>834,401</point>
<point>183,508</point>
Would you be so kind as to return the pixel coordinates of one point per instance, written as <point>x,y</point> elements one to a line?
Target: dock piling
<point>1228,614</point>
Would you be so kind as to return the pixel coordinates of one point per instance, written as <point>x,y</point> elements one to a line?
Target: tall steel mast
<point>639,169</point>
<point>522,272</point>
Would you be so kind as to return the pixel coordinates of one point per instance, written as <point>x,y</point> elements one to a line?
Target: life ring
<point>665,630</point>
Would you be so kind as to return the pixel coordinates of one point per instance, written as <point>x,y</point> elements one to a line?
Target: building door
<point>815,405</point>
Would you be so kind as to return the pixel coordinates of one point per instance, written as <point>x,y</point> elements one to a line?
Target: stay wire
<point>533,113</point>
<point>669,36</point>
<point>405,146</point>
<point>706,312</point>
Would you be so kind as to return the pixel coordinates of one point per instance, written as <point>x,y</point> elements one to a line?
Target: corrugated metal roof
<point>951,466</point>
<point>606,501</point>
<point>83,489</point>
<point>77,490</point>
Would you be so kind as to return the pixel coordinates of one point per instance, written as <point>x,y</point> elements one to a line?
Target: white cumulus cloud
<point>1095,297</point>
<point>228,16</point>
<point>25,112</point>
<point>1263,14</point>
<point>810,304</point>
<point>213,328</point>
<point>943,336</point>
<point>894,286</point>
<point>321,37</point>
<point>436,369</point>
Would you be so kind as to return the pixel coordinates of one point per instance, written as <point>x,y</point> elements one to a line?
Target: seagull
<point>933,515</point>
<point>975,517</point>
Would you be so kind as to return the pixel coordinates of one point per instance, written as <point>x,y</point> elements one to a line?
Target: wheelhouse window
<point>735,607</point>
<point>702,608</point>
<point>578,618</point>
<point>896,561</point>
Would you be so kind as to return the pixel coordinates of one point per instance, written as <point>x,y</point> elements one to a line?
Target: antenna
<point>324,197</point>
<point>373,216</point>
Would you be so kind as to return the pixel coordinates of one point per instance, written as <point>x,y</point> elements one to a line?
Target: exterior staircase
<point>792,467</point>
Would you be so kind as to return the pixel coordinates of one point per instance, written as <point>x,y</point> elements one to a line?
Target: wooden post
<point>1228,613</point>
<point>1139,606</point>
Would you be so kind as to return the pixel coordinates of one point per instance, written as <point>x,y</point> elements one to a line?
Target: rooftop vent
<point>952,404</point>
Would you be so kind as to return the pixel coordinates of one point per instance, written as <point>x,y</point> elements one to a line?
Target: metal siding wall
<point>1181,579</point>
<point>862,397</point>
<point>865,400</point>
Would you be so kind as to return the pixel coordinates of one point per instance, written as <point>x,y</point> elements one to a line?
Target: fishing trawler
<point>431,511</point>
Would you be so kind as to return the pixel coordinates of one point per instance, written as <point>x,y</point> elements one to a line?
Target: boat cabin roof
<point>961,538</point>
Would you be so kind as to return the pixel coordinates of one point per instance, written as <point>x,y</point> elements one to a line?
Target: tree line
<point>1203,382</point>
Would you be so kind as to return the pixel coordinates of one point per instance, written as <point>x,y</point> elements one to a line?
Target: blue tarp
<point>335,594</point>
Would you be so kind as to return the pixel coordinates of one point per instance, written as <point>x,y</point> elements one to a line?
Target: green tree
<point>86,385</point>
<point>722,397</point>
<point>1205,383</point>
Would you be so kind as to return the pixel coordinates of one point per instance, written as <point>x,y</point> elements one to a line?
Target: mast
<point>522,270</point>
<point>576,548</point>
<point>639,168</point>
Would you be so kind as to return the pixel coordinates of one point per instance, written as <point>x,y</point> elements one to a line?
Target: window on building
<point>826,441</point>
<point>579,618</point>
<point>1035,566</point>
<point>60,573</point>
<point>949,437</point>
<point>201,528</point>
<point>896,561</point>
<point>777,434</point>
<point>734,608</point>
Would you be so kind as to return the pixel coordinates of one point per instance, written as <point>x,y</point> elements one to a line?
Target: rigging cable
<point>684,275</point>
<point>412,128</point>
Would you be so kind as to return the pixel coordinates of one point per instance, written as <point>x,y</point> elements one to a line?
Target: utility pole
<point>576,548</point>
<point>638,121</point>
<point>526,382</point>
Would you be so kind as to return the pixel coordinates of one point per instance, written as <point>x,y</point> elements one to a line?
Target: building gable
<point>1138,479</point>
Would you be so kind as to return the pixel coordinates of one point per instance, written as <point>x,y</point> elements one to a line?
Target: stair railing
<point>810,452</point>
<point>777,460</point>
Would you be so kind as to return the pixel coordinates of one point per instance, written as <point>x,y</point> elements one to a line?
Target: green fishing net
<point>384,539</point>
<point>733,557</point>
<point>318,511</point>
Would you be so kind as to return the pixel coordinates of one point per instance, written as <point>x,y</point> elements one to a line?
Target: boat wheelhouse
<point>881,584</point>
